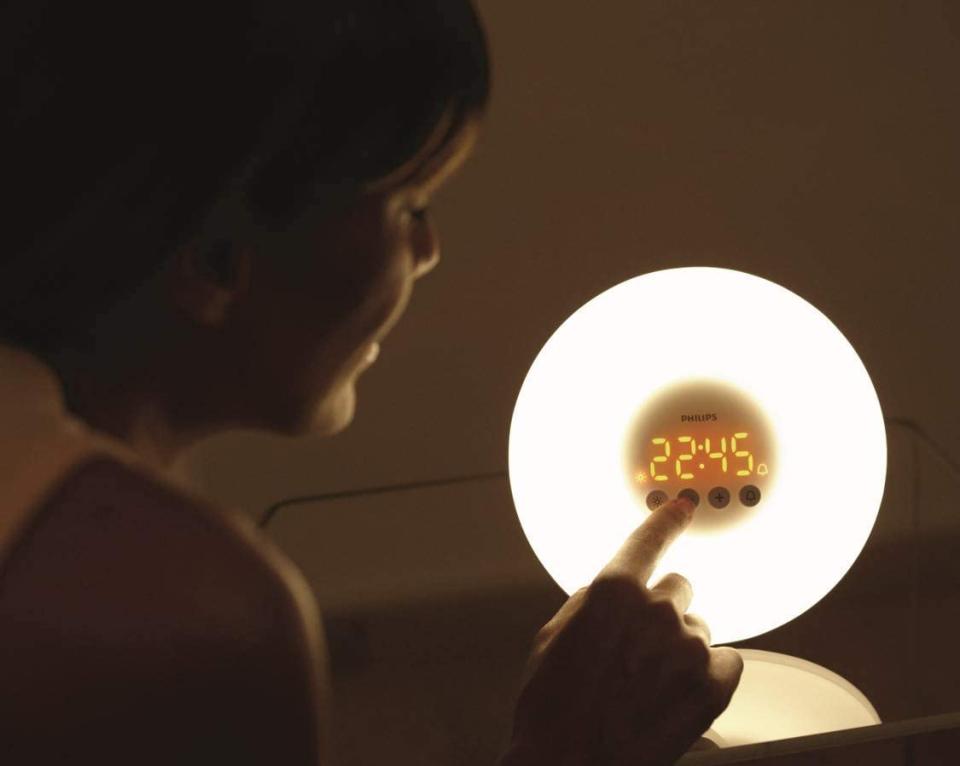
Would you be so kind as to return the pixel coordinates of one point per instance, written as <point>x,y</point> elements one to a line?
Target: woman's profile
<point>215,215</point>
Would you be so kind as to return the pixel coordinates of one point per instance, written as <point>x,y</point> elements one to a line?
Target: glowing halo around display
<point>672,326</point>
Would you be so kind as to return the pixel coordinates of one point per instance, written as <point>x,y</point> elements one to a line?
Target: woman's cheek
<point>392,299</point>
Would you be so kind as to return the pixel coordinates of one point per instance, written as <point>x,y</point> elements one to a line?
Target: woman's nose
<point>426,248</point>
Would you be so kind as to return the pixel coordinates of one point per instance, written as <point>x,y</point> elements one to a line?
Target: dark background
<point>811,143</point>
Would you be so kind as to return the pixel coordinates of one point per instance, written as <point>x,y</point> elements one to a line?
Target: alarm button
<point>750,495</point>
<point>655,499</point>
<point>719,497</point>
<point>693,496</point>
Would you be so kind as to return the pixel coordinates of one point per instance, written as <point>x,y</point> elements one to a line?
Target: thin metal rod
<point>339,495</point>
<point>935,447</point>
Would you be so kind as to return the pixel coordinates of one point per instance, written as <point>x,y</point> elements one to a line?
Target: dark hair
<point>123,123</point>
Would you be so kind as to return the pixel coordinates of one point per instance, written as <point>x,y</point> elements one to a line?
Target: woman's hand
<point>621,675</point>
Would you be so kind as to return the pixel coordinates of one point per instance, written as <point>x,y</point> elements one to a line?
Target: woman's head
<point>196,182</point>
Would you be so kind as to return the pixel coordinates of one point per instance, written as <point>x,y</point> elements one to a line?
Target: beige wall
<point>812,143</point>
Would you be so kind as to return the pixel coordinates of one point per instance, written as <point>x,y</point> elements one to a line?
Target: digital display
<point>685,458</point>
<point>708,440</point>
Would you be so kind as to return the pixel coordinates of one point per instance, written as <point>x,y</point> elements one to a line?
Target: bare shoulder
<point>142,608</point>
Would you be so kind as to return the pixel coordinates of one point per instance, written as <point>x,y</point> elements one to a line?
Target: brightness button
<point>655,499</point>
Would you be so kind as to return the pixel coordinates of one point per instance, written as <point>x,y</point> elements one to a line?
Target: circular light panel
<point>683,356</point>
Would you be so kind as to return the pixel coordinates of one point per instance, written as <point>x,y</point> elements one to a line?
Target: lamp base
<point>781,696</point>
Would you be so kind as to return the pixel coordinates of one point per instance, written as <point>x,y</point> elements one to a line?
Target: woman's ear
<point>208,277</point>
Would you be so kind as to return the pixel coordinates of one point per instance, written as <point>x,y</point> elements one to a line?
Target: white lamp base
<point>780,696</point>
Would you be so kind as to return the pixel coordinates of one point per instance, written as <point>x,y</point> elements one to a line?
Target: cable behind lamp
<point>272,510</point>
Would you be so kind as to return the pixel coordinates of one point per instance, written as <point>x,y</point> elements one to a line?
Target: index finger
<point>641,551</point>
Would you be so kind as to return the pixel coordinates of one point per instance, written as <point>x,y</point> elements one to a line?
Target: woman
<point>220,214</point>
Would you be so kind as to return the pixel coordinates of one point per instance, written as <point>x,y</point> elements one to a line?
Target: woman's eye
<point>420,213</point>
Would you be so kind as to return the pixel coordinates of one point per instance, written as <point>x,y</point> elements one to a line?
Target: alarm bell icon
<point>762,469</point>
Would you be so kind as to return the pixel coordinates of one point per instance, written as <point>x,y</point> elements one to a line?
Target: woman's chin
<point>336,412</point>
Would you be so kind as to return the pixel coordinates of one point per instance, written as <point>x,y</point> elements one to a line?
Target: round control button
<point>719,497</point>
<point>692,495</point>
<point>750,495</point>
<point>655,499</point>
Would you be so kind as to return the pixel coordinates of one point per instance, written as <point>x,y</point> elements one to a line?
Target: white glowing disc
<point>638,341</point>
<point>780,697</point>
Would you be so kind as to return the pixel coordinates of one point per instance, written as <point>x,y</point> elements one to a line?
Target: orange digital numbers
<point>660,441</point>
<point>743,453</point>
<point>684,462</point>
<point>721,455</point>
<point>685,458</point>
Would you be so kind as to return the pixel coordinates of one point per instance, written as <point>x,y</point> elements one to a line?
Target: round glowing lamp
<point>722,386</point>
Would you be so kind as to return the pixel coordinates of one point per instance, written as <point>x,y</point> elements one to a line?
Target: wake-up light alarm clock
<point>715,384</point>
